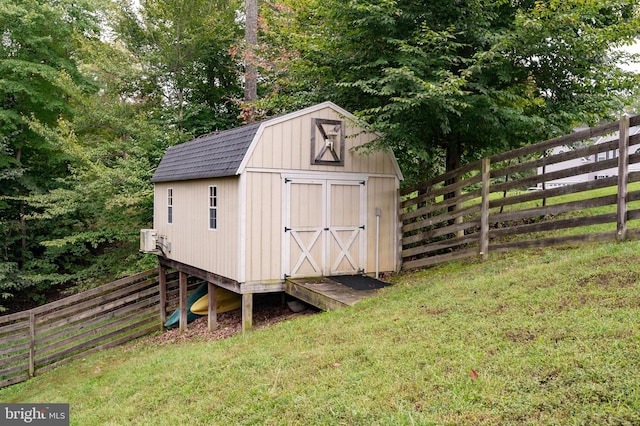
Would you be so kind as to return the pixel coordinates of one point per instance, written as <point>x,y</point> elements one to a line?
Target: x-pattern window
<point>327,142</point>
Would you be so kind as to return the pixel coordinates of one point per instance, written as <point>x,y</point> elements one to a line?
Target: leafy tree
<point>251,41</point>
<point>113,145</point>
<point>186,50</point>
<point>456,80</point>
<point>38,42</point>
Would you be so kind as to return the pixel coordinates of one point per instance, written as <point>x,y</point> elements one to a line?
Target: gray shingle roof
<point>213,155</point>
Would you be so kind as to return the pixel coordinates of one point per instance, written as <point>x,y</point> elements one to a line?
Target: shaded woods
<point>92,92</point>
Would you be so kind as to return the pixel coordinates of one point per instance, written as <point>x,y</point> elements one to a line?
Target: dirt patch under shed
<point>266,311</point>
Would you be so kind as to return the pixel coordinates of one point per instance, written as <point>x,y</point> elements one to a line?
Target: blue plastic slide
<point>174,319</point>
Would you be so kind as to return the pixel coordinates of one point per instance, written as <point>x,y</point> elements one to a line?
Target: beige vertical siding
<point>283,148</point>
<point>287,145</point>
<point>264,227</point>
<point>191,240</point>
<point>381,193</point>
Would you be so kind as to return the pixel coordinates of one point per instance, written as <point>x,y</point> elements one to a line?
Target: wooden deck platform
<point>325,293</point>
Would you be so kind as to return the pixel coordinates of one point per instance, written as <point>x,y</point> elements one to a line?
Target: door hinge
<point>287,180</point>
<point>362,182</point>
<point>361,227</point>
<point>286,229</point>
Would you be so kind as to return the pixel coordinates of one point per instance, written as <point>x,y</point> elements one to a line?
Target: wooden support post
<point>162,284</point>
<point>32,343</point>
<point>213,308</point>
<point>544,185</point>
<point>484,218</point>
<point>399,236</point>
<point>459,220</point>
<point>183,301</point>
<point>247,311</point>
<point>623,177</point>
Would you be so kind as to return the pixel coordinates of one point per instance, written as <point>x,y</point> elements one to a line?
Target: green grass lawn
<point>553,335</point>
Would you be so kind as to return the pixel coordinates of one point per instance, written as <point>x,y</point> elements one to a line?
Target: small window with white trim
<point>213,207</point>
<point>170,205</point>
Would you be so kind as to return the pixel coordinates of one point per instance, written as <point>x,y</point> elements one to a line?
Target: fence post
<point>399,235</point>
<point>484,215</point>
<point>623,177</point>
<point>32,343</point>
<point>162,283</point>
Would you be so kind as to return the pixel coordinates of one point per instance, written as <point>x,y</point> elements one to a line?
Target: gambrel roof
<point>226,153</point>
<point>213,155</point>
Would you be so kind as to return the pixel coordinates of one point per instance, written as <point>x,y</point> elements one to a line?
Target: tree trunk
<point>251,72</point>
<point>23,221</point>
<point>453,161</point>
<point>23,236</point>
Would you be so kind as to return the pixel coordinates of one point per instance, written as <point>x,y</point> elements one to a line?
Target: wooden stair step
<point>324,293</point>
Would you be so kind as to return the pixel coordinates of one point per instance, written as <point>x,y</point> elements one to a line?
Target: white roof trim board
<point>288,117</point>
<point>226,153</point>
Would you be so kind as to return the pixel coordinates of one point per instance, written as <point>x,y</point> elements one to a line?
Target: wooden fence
<point>517,199</point>
<point>579,183</point>
<point>42,338</point>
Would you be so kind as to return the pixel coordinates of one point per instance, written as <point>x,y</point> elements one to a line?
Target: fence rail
<point>507,201</point>
<point>42,338</point>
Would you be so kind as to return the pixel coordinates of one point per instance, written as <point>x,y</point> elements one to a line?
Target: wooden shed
<point>248,208</point>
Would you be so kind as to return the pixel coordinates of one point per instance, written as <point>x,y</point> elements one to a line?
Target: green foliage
<point>92,93</point>
<point>10,281</point>
<point>185,50</point>
<point>106,197</point>
<point>39,41</point>
<point>85,119</point>
<point>457,80</point>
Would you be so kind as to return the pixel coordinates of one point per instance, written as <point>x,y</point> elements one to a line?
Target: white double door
<point>324,232</point>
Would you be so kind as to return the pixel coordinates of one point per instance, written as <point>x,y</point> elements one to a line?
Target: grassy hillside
<point>533,337</point>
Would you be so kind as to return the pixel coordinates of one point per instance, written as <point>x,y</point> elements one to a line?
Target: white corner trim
<point>242,227</point>
<point>395,164</point>
<point>285,260</point>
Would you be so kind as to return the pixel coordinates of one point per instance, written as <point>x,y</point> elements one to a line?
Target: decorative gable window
<point>213,207</point>
<point>170,205</point>
<point>327,142</point>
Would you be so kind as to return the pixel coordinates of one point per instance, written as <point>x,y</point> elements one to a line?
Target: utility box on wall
<point>148,239</point>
